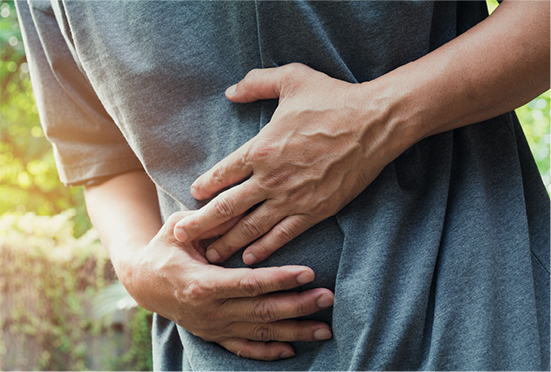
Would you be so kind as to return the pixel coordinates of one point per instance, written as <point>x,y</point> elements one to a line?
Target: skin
<point>327,141</point>
<point>232,307</point>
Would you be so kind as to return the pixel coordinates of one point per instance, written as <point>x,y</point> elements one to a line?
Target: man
<point>428,234</point>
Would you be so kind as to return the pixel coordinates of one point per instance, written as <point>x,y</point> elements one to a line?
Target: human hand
<point>323,146</point>
<point>233,307</point>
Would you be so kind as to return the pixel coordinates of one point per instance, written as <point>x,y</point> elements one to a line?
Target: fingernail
<point>324,301</point>
<point>213,256</point>
<point>305,277</point>
<point>196,192</point>
<point>231,90</point>
<point>180,234</point>
<point>249,259</point>
<point>286,354</point>
<point>322,334</point>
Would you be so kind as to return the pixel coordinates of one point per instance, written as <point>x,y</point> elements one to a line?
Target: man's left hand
<point>323,146</point>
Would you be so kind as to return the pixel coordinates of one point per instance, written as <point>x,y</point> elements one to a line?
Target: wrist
<point>125,259</point>
<point>389,114</point>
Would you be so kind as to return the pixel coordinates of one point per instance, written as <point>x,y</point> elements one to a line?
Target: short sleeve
<point>87,143</point>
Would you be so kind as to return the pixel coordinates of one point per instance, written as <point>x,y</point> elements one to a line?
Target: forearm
<point>175,280</point>
<point>491,69</point>
<point>328,140</point>
<point>125,211</point>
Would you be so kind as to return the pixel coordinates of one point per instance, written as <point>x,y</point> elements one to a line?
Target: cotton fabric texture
<point>442,263</point>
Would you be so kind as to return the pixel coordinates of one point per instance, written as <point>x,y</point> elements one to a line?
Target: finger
<point>227,172</point>
<point>175,218</point>
<point>283,330</point>
<point>251,227</point>
<point>264,83</point>
<point>224,207</point>
<point>221,229</point>
<point>279,235</point>
<point>268,351</point>
<point>234,283</point>
<point>279,306</point>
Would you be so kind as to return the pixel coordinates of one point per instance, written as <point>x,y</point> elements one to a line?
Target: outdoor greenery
<point>47,283</point>
<point>52,263</point>
<point>28,176</point>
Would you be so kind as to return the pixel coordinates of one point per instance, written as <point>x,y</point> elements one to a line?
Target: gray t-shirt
<point>441,263</point>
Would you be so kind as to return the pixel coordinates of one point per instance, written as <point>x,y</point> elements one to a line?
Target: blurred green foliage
<point>492,5</point>
<point>29,181</point>
<point>48,282</point>
<point>28,175</point>
<point>534,118</point>
<point>30,246</point>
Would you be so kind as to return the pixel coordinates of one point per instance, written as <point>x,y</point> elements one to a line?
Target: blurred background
<point>60,305</point>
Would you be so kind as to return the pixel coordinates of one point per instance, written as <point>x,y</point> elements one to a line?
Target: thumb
<point>265,83</point>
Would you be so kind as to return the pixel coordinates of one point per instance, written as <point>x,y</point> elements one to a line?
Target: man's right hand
<point>233,307</point>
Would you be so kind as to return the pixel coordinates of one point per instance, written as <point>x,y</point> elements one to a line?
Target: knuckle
<point>193,293</point>
<point>294,72</point>
<point>253,74</point>
<point>181,296</point>
<point>249,83</point>
<point>284,233</point>
<point>219,177</point>
<point>260,151</point>
<point>296,197</point>
<point>205,320</point>
<point>301,309</point>
<point>294,68</point>
<point>223,207</point>
<point>262,249</point>
<point>251,228</point>
<point>250,286</point>
<point>263,332</point>
<point>277,178</point>
<point>265,312</point>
